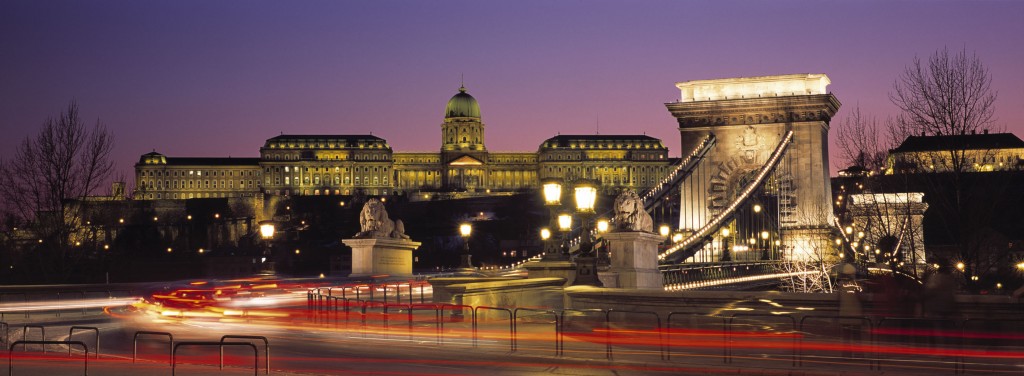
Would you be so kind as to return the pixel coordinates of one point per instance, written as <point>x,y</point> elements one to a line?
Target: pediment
<point>465,160</point>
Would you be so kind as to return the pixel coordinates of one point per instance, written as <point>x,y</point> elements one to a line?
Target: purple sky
<point>200,78</point>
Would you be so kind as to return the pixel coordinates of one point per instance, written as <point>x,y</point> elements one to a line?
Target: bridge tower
<point>749,117</point>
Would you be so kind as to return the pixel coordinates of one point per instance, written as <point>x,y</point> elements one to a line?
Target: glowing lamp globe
<point>564,222</point>
<point>586,196</point>
<point>552,192</point>
<point>267,230</point>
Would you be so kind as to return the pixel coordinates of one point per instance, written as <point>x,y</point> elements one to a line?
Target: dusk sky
<point>202,78</point>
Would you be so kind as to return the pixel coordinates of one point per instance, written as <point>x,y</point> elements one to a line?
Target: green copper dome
<point>462,105</point>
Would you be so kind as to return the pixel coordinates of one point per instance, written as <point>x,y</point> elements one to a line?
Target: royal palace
<point>304,165</point>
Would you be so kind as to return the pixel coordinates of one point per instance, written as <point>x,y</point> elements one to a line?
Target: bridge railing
<point>681,250</point>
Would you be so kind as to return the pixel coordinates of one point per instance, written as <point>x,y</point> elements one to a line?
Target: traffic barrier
<point>220,345</point>
<point>170,344</point>
<point>608,321</point>
<point>515,327</point>
<point>24,344</point>
<point>692,316</point>
<point>266,348</point>
<point>729,331</point>
<point>96,330</point>
<point>511,324</point>
<point>582,312</point>
<point>918,331</point>
<point>850,330</point>
<point>24,334</point>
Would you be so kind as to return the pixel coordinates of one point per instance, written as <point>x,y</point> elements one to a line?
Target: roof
<point>603,137</point>
<point>305,137</point>
<point>567,139</point>
<point>212,161</point>
<point>984,141</point>
<point>462,105</point>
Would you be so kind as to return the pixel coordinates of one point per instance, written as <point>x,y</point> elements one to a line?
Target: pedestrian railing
<point>535,313</point>
<point>700,337</point>
<point>266,348</point>
<point>220,346</point>
<point>24,344</point>
<point>170,344</point>
<point>96,342</point>
<point>24,335</point>
<point>850,331</point>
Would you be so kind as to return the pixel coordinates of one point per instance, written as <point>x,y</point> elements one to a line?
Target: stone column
<point>374,257</point>
<point>635,259</point>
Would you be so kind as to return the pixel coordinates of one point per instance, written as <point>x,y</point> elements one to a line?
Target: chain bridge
<point>753,189</point>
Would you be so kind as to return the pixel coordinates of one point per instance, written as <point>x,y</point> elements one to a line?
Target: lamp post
<point>564,226</point>
<point>552,189</point>
<point>586,197</point>
<point>725,245</point>
<point>465,230</point>
<point>267,233</point>
<point>586,262</point>
<point>602,255</point>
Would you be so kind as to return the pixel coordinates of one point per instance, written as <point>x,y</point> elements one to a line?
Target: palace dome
<point>462,105</point>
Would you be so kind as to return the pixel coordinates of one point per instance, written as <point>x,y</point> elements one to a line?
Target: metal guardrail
<point>934,325</point>
<point>10,352</point>
<point>608,321</point>
<point>170,344</point>
<point>668,331</point>
<point>7,333</point>
<point>96,330</point>
<point>457,310</point>
<point>794,326</point>
<point>515,324</point>
<point>728,331</point>
<point>24,334</point>
<point>220,345</point>
<point>266,348</point>
<point>561,329</point>
<point>837,321</point>
<point>511,324</point>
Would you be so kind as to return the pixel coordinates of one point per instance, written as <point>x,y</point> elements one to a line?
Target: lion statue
<point>375,224</point>
<point>630,214</point>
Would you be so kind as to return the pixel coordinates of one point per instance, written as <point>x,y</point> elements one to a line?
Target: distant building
<point>314,165</point>
<point>973,152</point>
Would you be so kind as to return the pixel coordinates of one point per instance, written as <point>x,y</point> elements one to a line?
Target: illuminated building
<point>314,165</point>
<point>972,152</point>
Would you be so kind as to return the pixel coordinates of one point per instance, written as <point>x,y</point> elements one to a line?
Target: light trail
<point>71,304</point>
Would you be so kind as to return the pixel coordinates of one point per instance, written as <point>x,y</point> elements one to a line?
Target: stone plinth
<point>551,269</point>
<point>634,259</point>
<point>375,257</point>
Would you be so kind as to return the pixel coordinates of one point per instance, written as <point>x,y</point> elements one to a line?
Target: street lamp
<point>664,230</point>
<point>466,230</point>
<point>586,197</point>
<point>552,189</point>
<point>586,262</point>
<point>267,230</point>
<point>725,245</point>
<point>602,225</point>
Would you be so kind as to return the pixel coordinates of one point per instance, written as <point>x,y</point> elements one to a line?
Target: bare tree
<point>859,145</point>
<point>66,161</point>
<point>950,94</point>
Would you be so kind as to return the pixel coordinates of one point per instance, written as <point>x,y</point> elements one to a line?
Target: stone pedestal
<point>551,269</point>
<point>375,257</point>
<point>634,259</point>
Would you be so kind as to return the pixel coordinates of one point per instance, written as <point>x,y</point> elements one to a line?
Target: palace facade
<point>345,164</point>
